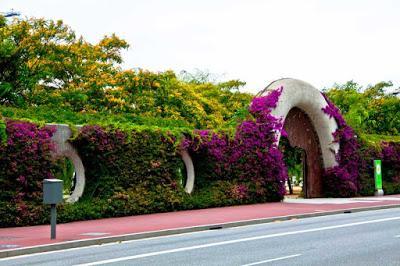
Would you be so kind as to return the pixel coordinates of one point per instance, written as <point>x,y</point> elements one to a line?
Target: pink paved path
<point>39,235</point>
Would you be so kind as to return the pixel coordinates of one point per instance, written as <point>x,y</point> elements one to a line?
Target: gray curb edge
<point>136,236</point>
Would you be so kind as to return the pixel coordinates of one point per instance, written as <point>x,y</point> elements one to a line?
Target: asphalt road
<point>365,238</point>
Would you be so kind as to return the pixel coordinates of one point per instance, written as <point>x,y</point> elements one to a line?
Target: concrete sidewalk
<point>31,239</point>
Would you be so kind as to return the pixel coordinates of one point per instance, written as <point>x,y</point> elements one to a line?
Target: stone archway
<point>308,127</point>
<point>64,148</point>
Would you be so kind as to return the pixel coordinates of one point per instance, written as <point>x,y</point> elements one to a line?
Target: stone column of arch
<point>301,95</point>
<point>187,160</point>
<point>64,148</point>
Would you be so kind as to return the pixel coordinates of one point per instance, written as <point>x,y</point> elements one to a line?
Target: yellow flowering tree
<point>44,63</point>
<point>42,58</point>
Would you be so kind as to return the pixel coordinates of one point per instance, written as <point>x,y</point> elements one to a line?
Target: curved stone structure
<point>64,148</point>
<point>301,95</point>
<point>187,160</point>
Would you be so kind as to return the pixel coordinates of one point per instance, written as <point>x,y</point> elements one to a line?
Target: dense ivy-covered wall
<point>138,170</point>
<point>118,160</point>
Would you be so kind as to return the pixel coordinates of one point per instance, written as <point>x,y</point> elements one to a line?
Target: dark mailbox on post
<point>52,194</point>
<point>52,191</point>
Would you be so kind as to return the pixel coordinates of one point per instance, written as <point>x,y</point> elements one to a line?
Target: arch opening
<point>294,158</point>
<point>302,135</point>
<point>66,172</point>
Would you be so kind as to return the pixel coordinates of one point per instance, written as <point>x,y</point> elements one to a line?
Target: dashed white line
<point>156,253</point>
<point>272,260</point>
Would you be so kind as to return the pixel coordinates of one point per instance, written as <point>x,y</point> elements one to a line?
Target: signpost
<point>378,177</point>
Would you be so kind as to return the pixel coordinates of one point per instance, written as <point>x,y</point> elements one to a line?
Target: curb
<point>168,232</point>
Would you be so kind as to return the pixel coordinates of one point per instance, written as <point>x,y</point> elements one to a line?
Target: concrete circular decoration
<point>187,160</point>
<point>299,95</point>
<point>64,148</point>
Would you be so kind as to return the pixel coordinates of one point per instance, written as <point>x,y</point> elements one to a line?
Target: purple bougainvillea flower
<point>343,180</point>
<point>251,155</point>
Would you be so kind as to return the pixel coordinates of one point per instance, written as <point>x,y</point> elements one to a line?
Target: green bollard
<point>378,178</point>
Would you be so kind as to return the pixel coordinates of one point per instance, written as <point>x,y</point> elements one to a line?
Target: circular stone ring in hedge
<point>187,160</point>
<point>64,148</point>
<point>297,93</point>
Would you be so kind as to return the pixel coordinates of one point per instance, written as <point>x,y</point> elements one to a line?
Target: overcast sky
<point>320,42</point>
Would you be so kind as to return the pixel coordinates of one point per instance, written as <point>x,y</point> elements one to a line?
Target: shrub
<point>25,160</point>
<point>366,170</point>
<point>391,167</point>
<point>354,174</point>
<point>117,160</point>
<point>342,180</point>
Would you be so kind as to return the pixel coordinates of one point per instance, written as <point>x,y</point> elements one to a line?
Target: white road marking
<point>272,260</point>
<point>228,242</point>
<point>99,245</point>
<point>8,246</point>
<point>94,234</point>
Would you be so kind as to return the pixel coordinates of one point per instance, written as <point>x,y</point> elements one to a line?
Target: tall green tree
<point>370,110</point>
<point>39,57</point>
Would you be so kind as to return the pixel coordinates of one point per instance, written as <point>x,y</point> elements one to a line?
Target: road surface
<point>364,238</point>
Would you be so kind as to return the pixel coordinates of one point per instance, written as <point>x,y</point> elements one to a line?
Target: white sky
<point>320,42</point>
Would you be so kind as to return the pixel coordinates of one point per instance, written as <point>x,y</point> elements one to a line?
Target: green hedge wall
<point>135,170</point>
<point>131,171</point>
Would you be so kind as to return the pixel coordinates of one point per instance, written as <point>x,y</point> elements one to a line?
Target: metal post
<point>53,220</point>
<point>52,194</point>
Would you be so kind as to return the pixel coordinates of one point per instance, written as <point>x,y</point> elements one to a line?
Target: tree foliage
<point>41,59</point>
<point>371,110</point>
<point>44,63</point>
